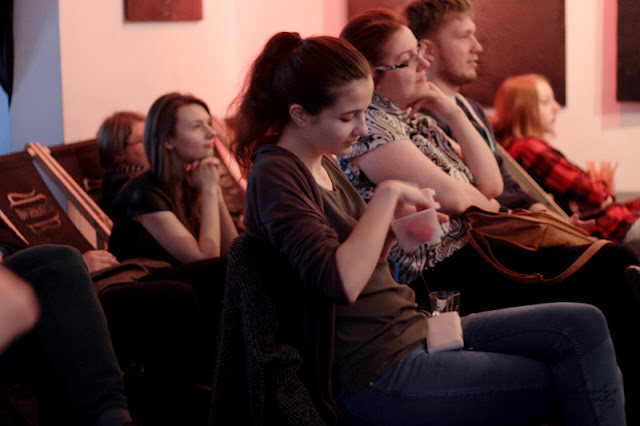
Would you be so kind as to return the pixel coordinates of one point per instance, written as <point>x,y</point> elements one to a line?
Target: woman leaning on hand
<point>174,212</point>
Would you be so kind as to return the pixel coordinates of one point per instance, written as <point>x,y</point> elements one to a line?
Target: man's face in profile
<point>456,52</point>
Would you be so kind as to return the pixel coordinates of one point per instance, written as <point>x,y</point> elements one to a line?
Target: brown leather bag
<point>522,230</point>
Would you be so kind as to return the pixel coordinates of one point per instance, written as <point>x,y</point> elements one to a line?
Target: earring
<point>299,124</point>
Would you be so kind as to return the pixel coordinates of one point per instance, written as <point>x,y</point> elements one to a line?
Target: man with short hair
<point>447,30</point>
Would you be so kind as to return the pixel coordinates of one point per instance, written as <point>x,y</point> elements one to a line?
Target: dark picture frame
<point>163,10</point>
<point>628,87</point>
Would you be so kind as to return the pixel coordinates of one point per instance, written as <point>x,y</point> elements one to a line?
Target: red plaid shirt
<point>567,182</point>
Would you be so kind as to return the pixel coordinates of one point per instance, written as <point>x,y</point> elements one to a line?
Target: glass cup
<point>444,301</point>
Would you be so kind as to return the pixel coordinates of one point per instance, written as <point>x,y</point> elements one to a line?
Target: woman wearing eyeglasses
<point>410,146</point>
<point>121,153</point>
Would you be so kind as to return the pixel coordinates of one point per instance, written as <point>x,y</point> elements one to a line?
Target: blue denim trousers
<point>520,366</point>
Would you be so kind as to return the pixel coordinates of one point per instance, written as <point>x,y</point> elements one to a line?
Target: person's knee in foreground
<point>305,100</point>
<point>69,353</point>
<point>19,308</point>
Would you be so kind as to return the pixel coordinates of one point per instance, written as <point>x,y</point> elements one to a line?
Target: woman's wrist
<point>455,114</point>
<point>388,188</point>
<point>210,191</point>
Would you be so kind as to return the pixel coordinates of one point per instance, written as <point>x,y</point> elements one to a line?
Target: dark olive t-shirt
<point>305,225</point>
<point>375,331</point>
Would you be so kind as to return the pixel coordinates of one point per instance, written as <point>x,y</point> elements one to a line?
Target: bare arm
<point>228,230</point>
<point>358,255</point>
<point>474,151</point>
<point>477,155</point>
<point>174,237</point>
<point>98,259</point>
<point>402,160</point>
<point>216,224</point>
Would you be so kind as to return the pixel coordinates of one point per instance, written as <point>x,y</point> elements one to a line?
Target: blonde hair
<point>516,109</point>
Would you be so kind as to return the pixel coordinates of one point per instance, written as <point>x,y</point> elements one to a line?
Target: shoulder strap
<point>481,241</point>
<point>536,278</point>
<point>584,258</point>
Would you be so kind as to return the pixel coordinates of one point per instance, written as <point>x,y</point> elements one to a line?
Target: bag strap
<point>483,248</point>
<point>584,258</point>
<point>492,260</point>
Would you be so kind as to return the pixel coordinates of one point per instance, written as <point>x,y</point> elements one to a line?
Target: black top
<point>129,239</point>
<point>114,180</point>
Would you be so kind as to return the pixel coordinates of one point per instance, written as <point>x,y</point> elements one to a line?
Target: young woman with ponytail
<point>304,101</point>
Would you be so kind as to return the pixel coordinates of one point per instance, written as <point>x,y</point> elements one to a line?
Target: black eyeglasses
<point>412,60</point>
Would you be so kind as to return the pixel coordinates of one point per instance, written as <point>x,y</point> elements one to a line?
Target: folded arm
<point>474,151</point>
<point>476,155</point>
<point>402,160</point>
<point>285,206</point>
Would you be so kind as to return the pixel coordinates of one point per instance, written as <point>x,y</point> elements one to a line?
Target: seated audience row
<point>164,326</point>
<point>405,145</point>
<point>308,99</point>
<point>387,105</point>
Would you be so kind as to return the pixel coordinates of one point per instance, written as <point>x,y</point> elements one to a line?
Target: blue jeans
<point>520,366</point>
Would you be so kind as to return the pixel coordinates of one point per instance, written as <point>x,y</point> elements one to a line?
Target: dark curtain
<point>6,46</point>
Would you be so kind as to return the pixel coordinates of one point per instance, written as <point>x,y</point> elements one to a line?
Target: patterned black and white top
<point>388,122</point>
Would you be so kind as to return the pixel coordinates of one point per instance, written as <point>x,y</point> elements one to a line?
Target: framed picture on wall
<point>628,51</point>
<point>163,10</point>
